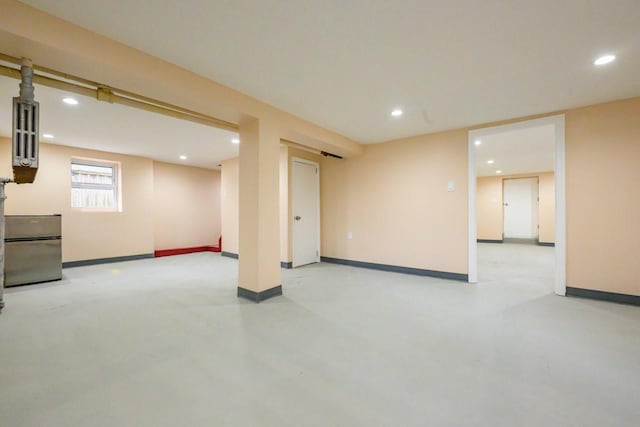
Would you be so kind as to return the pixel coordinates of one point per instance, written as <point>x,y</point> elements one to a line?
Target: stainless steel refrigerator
<point>33,249</point>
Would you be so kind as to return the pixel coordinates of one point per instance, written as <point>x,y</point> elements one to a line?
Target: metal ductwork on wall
<point>25,128</point>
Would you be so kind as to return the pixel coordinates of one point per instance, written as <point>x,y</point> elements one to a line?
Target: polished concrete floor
<point>165,342</point>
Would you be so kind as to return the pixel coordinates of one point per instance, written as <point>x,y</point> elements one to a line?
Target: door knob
<point>297,218</point>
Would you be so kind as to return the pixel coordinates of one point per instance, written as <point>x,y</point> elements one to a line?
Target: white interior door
<point>521,208</point>
<point>306,213</point>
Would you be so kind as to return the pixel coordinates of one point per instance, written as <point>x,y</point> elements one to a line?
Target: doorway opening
<point>517,200</point>
<point>305,204</point>
<point>107,166</point>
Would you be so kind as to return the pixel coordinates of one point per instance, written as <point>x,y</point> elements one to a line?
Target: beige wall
<point>230,200</point>
<point>87,235</point>
<point>489,205</point>
<point>603,199</point>
<point>547,207</point>
<point>186,206</point>
<point>230,207</point>
<point>394,199</point>
<point>490,211</point>
<point>382,195</point>
<point>164,206</point>
<point>285,209</point>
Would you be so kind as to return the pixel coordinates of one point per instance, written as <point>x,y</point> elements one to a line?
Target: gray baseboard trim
<point>229,255</point>
<point>552,244</point>
<point>283,264</point>
<point>57,279</point>
<point>489,241</point>
<point>603,296</point>
<point>259,296</point>
<point>520,240</point>
<point>398,269</point>
<point>85,262</point>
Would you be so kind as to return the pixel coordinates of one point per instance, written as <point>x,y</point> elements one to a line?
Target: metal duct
<point>26,120</point>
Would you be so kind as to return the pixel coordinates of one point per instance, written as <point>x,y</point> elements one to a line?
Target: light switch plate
<point>451,186</point>
<point>349,235</point>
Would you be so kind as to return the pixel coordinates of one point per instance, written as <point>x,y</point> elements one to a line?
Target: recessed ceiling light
<point>605,59</point>
<point>183,157</point>
<point>47,135</point>
<point>478,142</point>
<point>70,101</point>
<point>498,172</point>
<point>490,162</point>
<point>397,112</point>
<point>235,141</point>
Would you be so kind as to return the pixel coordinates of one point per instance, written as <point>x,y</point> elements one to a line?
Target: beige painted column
<point>259,228</point>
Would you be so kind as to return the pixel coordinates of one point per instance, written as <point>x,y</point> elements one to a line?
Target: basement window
<point>95,185</point>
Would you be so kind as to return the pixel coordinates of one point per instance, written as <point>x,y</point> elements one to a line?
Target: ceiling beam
<point>84,87</point>
<point>56,44</point>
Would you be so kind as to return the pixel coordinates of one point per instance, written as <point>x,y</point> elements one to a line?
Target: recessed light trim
<point>397,112</point>
<point>235,141</point>
<point>48,135</point>
<point>70,101</point>
<point>490,162</point>
<point>604,59</point>
<point>498,172</point>
<point>183,157</point>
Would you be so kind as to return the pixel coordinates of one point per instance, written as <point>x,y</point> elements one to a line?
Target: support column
<point>259,272</point>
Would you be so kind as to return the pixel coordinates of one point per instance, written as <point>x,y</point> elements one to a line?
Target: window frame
<point>115,187</point>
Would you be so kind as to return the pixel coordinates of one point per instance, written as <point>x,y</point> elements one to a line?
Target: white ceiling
<point>518,151</point>
<point>346,64</point>
<point>116,128</point>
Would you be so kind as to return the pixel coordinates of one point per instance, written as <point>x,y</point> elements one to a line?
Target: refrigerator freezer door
<point>32,226</point>
<point>32,262</point>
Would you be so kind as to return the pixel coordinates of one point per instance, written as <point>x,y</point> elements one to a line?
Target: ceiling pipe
<point>26,83</point>
<point>84,87</point>
<point>80,86</point>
